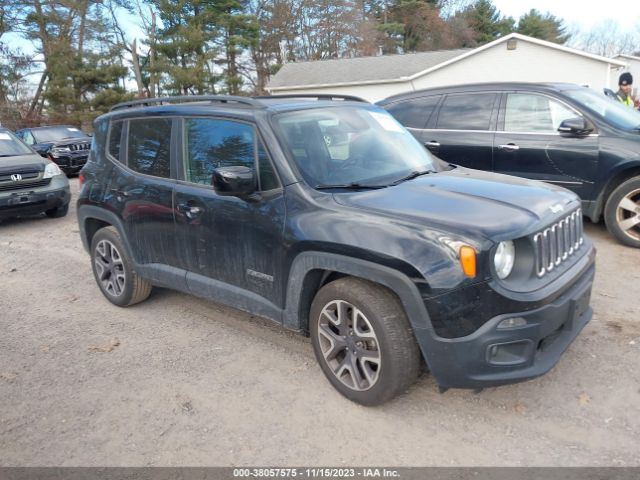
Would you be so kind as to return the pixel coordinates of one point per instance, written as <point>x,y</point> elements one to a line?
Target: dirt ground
<point>180,381</point>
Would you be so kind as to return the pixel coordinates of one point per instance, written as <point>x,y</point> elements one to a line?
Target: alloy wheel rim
<point>628,214</point>
<point>110,268</point>
<point>349,345</point>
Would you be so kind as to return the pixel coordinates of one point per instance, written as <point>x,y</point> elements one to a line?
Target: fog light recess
<point>513,322</point>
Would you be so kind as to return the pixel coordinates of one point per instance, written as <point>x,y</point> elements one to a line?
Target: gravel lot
<point>180,381</point>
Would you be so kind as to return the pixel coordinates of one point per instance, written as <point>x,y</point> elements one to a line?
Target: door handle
<point>191,211</point>
<point>510,147</point>
<point>120,193</point>
<point>432,143</point>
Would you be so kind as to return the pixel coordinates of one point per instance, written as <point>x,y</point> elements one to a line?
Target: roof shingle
<point>361,69</point>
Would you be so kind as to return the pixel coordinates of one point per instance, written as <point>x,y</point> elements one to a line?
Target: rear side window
<point>115,138</point>
<point>414,113</point>
<point>466,111</point>
<point>149,146</point>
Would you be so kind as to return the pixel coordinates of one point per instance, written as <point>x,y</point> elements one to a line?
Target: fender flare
<point>86,212</point>
<point>394,280</point>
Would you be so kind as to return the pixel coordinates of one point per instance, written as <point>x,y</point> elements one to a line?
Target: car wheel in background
<point>622,212</point>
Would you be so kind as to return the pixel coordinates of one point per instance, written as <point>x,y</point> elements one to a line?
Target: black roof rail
<point>188,98</point>
<point>317,96</point>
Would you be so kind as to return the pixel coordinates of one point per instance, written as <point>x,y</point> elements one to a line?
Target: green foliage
<point>545,27</point>
<point>220,46</point>
<point>486,22</point>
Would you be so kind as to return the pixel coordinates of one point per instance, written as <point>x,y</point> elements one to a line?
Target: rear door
<point>528,143</point>
<point>142,193</point>
<point>237,241</point>
<point>463,130</point>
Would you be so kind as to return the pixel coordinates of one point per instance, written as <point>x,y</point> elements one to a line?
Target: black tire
<point>622,211</point>
<point>113,270</point>
<point>393,345</point>
<point>58,212</point>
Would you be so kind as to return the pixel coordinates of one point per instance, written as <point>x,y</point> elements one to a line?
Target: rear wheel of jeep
<point>622,212</point>
<point>363,341</point>
<point>113,270</point>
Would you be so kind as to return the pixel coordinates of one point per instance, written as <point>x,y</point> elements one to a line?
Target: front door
<point>236,241</point>
<point>529,144</point>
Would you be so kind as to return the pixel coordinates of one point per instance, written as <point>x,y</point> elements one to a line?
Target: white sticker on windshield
<point>71,129</point>
<point>4,136</point>
<point>386,121</point>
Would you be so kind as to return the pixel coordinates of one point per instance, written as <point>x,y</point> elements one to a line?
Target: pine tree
<point>545,27</point>
<point>486,22</point>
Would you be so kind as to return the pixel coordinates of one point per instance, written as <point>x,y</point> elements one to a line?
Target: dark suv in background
<point>67,146</point>
<point>328,217</point>
<point>564,134</point>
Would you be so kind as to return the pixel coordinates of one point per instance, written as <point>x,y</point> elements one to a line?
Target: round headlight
<point>504,259</point>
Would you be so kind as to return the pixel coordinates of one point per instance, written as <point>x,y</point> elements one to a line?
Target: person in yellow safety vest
<point>624,93</point>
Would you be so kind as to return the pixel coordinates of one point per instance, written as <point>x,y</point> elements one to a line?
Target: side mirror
<point>234,181</point>
<point>576,126</point>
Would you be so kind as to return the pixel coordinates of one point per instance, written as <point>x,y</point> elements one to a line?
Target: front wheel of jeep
<point>363,341</point>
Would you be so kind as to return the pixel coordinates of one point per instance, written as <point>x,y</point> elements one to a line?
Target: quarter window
<point>150,146</point>
<point>527,112</point>
<point>466,111</point>
<point>115,137</point>
<point>414,113</point>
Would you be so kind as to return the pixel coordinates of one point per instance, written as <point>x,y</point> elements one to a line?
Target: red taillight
<point>80,180</point>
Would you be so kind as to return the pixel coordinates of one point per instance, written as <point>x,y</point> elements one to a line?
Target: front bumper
<point>491,356</point>
<point>31,201</point>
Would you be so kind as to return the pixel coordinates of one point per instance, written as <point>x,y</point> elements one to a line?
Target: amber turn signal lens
<point>468,261</point>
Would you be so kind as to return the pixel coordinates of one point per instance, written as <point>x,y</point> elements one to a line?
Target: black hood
<point>496,206</point>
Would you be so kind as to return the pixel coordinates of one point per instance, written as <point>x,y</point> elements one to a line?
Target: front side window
<point>466,111</point>
<point>27,137</point>
<point>212,143</point>
<point>527,112</point>
<point>414,113</point>
<point>150,146</point>
<point>351,144</point>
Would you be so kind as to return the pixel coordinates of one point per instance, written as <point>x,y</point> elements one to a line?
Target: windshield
<point>614,112</point>
<point>349,145</point>
<point>10,145</point>
<point>54,134</point>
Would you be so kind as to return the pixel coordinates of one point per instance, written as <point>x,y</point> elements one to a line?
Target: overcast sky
<point>580,13</point>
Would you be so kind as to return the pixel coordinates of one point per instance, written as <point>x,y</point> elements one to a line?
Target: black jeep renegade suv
<point>325,215</point>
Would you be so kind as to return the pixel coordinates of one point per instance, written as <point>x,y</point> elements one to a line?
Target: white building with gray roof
<point>513,57</point>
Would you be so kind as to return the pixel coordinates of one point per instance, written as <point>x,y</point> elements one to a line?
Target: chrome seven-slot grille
<point>556,243</point>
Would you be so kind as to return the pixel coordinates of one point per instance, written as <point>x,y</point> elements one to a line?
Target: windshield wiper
<point>412,175</point>
<point>350,186</point>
